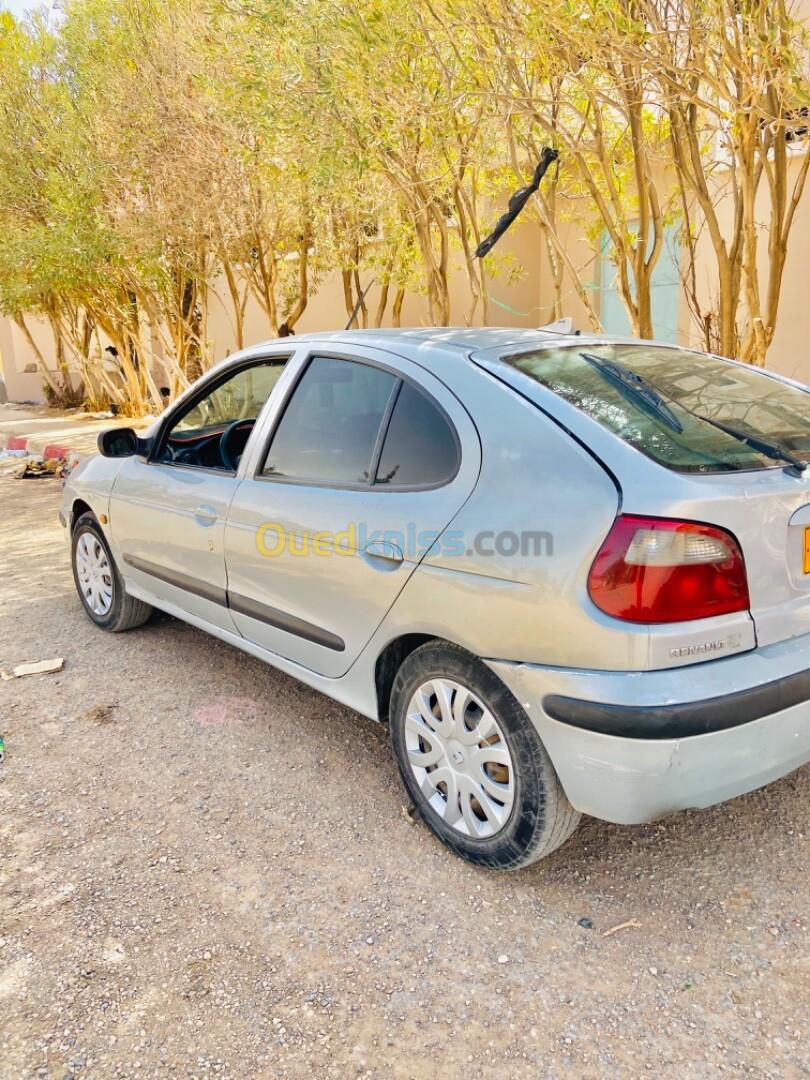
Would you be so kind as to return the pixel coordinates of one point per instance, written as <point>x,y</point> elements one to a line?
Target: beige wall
<point>16,356</point>
<point>789,353</point>
<point>524,302</point>
<point>326,310</point>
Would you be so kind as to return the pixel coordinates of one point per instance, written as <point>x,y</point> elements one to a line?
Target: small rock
<point>503,959</point>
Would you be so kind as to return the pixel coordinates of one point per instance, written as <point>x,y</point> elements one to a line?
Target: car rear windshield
<point>690,386</point>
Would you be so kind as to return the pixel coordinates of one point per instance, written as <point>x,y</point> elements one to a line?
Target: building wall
<point>517,303</point>
<point>789,353</point>
<point>525,301</point>
<point>18,364</point>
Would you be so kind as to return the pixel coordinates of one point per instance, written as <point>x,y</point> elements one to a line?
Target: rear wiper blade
<point>795,465</point>
<point>626,379</point>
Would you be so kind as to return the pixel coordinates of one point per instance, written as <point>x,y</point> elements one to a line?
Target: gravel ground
<point>206,871</point>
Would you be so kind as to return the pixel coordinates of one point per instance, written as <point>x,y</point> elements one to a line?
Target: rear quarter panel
<point>508,577</point>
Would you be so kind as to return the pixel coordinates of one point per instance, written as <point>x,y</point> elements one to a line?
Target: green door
<point>665,288</point>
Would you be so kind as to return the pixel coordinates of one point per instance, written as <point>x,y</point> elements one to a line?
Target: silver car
<point>571,574</point>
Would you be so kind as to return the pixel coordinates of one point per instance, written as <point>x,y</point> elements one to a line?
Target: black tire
<point>541,817</point>
<point>125,612</point>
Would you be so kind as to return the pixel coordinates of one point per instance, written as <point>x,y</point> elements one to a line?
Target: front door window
<point>212,432</point>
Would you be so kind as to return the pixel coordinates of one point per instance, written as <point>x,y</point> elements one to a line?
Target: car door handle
<point>384,551</point>
<point>205,515</point>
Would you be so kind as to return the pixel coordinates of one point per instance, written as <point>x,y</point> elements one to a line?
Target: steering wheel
<point>228,460</point>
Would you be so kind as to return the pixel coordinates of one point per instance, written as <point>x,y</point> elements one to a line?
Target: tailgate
<point>769,513</point>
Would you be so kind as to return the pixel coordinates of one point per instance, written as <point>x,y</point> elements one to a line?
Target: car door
<point>365,462</point>
<point>167,512</point>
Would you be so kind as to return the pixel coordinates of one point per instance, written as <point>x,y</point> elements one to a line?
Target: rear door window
<point>420,448</point>
<point>329,429</point>
<point>694,388</point>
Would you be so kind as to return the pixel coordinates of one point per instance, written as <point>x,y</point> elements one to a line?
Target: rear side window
<point>420,448</point>
<point>693,388</point>
<point>329,429</point>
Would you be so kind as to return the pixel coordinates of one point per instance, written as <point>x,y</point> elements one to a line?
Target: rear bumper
<point>625,744</point>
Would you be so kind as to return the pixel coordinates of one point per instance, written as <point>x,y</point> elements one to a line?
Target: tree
<point>33,275</point>
<point>732,79</point>
<point>151,150</point>
<point>671,111</point>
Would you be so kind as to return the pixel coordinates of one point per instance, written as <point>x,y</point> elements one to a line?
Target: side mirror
<point>120,442</point>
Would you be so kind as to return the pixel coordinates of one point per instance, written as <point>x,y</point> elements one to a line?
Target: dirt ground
<point>206,871</point>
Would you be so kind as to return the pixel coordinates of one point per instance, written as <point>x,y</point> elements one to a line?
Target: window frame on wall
<point>607,288</point>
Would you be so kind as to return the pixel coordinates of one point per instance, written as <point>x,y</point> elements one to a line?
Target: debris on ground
<point>100,714</point>
<point>40,470</point>
<point>586,923</point>
<point>2,749</point>
<point>630,924</point>
<point>36,667</point>
<point>407,813</point>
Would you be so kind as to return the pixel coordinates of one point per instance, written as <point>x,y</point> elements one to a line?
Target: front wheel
<point>473,763</point>
<point>98,582</point>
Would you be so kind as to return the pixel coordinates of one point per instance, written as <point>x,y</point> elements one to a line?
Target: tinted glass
<point>692,386</point>
<point>329,428</point>
<point>419,447</point>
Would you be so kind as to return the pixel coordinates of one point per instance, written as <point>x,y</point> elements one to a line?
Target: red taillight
<point>654,570</point>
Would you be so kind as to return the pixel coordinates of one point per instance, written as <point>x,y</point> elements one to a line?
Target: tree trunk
<point>302,299</point>
<point>236,302</point>
<point>396,313</point>
<point>382,304</point>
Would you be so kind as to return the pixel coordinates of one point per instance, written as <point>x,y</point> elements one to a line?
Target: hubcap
<point>458,754</point>
<point>94,574</point>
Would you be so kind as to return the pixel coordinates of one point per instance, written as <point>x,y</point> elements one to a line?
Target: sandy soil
<point>206,872</point>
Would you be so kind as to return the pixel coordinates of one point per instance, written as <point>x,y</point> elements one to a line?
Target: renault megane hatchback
<point>571,574</point>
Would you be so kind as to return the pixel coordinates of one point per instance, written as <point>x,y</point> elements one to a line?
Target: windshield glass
<point>692,385</point>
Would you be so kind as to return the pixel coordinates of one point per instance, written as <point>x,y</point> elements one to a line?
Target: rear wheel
<point>98,582</point>
<point>473,763</point>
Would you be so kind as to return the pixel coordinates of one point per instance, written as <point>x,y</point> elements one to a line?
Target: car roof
<point>466,338</point>
<point>451,346</point>
<point>446,344</point>
<point>461,340</point>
